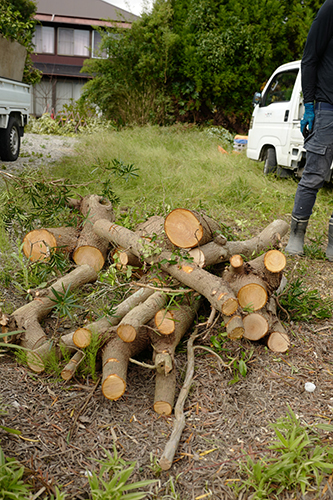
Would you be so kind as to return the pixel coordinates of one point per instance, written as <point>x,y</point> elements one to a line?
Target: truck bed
<point>14,95</point>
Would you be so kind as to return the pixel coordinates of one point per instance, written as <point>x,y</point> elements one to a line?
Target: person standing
<point>316,126</point>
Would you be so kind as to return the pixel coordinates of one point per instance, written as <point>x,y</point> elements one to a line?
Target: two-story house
<point>64,38</point>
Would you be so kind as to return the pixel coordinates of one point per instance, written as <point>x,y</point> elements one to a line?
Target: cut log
<point>165,389</point>
<point>188,229</point>
<point>124,258</point>
<point>216,290</point>
<point>28,317</point>
<point>214,253</point>
<point>69,370</point>
<point>256,326</point>
<point>37,244</point>
<point>37,358</point>
<point>250,289</point>
<point>92,249</point>
<point>81,338</point>
<point>278,342</point>
<point>275,261</point>
<point>234,327</point>
<point>140,315</point>
<point>164,321</point>
<point>237,264</point>
<point>115,359</point>
<point>164,346</point>
<point>179,420</point>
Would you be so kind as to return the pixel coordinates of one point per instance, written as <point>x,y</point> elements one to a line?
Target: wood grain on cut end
<point>183,228</point>
<point>113,387</point>
<point>275,261</point>
<point>256,326</point>
<point>253,296</point>
<point>89,255</point>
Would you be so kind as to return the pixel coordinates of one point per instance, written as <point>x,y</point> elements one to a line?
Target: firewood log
<point>140,315</point>
<point>188,229</point>
<point>165,389</point>
<point>216,290</point>
<point>37,358</point>
<point>69,370</point>
<point>234,326</point>
<point>38,243</point>
<point>92,249</point>
<point>115,359</point>
<point>164,347</point>
<point>124,258</point>
<point>213,253</point>
<point>256,326</point>
<point>28,317</point>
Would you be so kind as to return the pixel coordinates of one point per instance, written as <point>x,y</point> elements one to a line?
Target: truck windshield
<point>281,87</point>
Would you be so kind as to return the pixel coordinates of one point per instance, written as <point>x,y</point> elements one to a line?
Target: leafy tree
<point>17,23</point>
<point>197,60</point>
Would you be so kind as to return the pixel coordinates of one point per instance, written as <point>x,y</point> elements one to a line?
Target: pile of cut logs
<point>172,254</point>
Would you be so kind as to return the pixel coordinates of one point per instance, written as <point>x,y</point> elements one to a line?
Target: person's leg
<point>329,250</point>
<point>319,156</point>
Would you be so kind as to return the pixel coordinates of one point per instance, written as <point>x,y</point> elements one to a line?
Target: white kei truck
<point>274,135</point>
<point>15,99</point>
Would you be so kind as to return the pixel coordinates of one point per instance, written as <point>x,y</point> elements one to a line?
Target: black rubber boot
<point>296,238</point>
<point>329,249</point>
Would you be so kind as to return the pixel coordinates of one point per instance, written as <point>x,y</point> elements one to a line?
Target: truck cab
<point>274,135</point>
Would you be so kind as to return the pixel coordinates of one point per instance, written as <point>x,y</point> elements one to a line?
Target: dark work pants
<point>319,156</point>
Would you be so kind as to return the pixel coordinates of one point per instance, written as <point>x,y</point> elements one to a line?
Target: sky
<point>133,6</point>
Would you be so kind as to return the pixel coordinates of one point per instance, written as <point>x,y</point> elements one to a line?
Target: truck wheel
<point>270,161</point>
<point>10,141</point>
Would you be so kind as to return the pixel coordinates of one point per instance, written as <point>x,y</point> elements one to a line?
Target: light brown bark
<point>28,317</point>
<point>213,253</point>
<point>69,370</point>
<point>115,359</point>
<point>215,289</point>
<point>91,249</point>
<point>165,389</point>
<point>38,243</point>
<point>128,327</point>
<point>188,228</point>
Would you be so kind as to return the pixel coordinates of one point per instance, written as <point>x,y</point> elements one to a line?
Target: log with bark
<point>140,315</point>
<point>28,317</point>
<point>92,249</point>
<point>214,253</point>
<point>215,289</point>
<point>37,244</point>
<point>188,228</point>
<point>164,346</point>
<point>115,359</point>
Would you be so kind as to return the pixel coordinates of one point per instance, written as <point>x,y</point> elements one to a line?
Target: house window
<point>96,42</point>
<point>73,42</point>
<point>43,40</point>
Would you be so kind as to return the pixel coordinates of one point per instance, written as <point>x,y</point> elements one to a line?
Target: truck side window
<point>280,88</point>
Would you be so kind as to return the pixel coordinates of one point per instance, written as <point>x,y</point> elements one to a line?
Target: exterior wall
<point>11,51</point>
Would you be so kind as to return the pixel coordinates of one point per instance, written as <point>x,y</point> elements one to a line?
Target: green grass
<point>181,167</point>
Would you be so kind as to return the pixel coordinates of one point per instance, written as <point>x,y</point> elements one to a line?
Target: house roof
<point>84,9</point>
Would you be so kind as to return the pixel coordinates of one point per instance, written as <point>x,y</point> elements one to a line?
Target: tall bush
<point>197,60</point>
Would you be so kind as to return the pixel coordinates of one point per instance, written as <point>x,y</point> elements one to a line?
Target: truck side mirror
<point>256,98</point>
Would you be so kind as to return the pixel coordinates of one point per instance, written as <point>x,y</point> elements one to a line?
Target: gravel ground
<point>40,149</point>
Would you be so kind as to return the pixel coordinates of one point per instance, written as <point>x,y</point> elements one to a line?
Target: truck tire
<point>270,161</point>
<point>10,141</point>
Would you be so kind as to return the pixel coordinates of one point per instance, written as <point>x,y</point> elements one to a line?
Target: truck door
<point>274,118</point>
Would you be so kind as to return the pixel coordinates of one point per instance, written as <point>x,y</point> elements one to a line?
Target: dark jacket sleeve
<point>318,38</point>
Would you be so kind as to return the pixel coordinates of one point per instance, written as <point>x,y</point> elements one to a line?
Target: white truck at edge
<point>274,135</point>
<point>14,115</point>
<point>14,98</point>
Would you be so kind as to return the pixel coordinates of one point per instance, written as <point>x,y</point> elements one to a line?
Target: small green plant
<point>88,365</point>
<point>111,481</point>
<point>298,461</point>
<point>299,304</point>
<point>11,484</point>
<point>314,249</point>
<point>65,302</point>
<point>154,465</point>
<point>239,366</point>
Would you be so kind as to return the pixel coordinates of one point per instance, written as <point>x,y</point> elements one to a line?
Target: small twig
<point>166,290</point>
<point>179,421</point>
<point>144,365</point>
<point>83,407</point>
<point>210,320</point>
<point>215,354</point>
